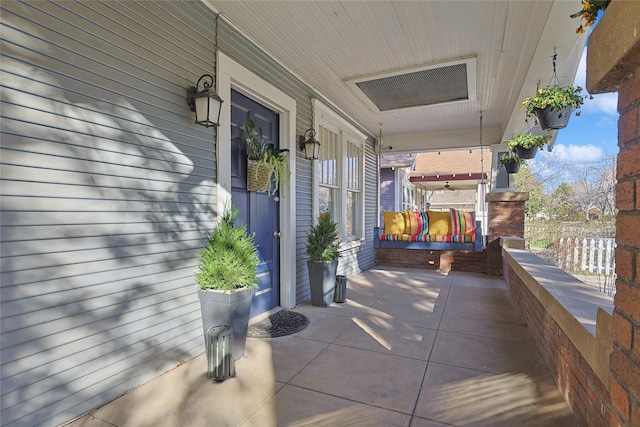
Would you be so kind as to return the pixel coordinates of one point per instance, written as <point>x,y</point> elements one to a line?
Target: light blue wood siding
<point>108,190</point>
<point>387,191</point>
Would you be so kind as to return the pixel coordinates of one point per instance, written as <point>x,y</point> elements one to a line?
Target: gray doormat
<point>284,322</point>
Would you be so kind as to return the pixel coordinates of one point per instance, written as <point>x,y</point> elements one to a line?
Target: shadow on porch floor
<point>409,348</point>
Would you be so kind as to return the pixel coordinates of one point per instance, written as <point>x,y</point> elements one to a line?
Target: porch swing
<point>426,230</point>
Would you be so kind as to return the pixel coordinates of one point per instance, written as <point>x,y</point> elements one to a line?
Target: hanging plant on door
<point>264,161</point>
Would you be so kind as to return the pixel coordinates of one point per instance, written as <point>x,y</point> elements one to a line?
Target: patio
<point>408,348</point>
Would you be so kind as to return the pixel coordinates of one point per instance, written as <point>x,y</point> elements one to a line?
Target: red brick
<point>622,330</point>
<point>627,372</point>
<point>628,129</point>
<point>625,196</point>
<point>635,340</point>
<point>627,227</point>
<point>637,195</point>
<point>615,420</point>
<point>627,300</point>
<point>629,92</point>
<point>628,161</point>
<point>619,397</point>
<point>624,264</point>
<point>635,412</point>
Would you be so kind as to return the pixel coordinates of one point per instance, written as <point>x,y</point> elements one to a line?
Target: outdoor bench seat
<point>424,231</point>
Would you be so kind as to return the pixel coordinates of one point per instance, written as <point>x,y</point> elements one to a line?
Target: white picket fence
<point>592,257</point>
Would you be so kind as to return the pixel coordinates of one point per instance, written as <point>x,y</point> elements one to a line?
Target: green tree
<point>560,204</point>
<point>526,181</point>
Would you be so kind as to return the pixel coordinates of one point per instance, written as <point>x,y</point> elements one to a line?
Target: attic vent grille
<point>419,88</point>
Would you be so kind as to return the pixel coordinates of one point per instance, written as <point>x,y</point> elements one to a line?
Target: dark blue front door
<point>258,210</point>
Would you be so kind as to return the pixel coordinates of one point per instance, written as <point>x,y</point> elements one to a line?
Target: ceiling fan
<point>447,187</point>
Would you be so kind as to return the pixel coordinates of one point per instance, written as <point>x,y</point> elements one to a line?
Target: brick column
<point>613,64</point>
<point>506,219</point>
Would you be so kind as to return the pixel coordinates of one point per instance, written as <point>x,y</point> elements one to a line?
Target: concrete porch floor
<point>409,348</point>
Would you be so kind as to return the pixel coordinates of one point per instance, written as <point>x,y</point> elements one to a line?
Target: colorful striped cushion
<point>416,223</point>
<point>458,238</point>
<point>463,222</point>
<point>452,238</point>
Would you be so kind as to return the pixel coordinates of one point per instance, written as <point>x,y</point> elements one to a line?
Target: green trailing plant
<point>322,240</point>
<point>556,97</point>
<point>277,159</point>
<point>511,158</point>
<point>267,154</point>
<point>527,140</point>
<point>229,260</point>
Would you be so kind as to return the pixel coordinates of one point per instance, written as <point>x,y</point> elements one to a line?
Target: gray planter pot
<point>548,118</point>
<point>322,280</point>
<point>227,308</point>
<point>512,167</point>
<point>526,153</point>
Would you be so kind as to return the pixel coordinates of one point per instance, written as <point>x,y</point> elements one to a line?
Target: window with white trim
<point>339,172</point>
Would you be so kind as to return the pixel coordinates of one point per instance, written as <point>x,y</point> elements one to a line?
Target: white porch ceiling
<point>329,44</point>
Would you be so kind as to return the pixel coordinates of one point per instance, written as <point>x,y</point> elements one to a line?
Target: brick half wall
<point>571,325</point>
<point>474,262</point>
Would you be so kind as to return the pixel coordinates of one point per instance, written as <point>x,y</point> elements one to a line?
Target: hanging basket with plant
<point>553,105</point>
<point>526,145</point>
<point>264,161</point>
<point>511,162</point>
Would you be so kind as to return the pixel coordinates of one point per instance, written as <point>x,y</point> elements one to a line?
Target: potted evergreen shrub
<point>511,162</point>
<point>227,278</point>
<point>322,249</point>
<point>264,161</point>
<point>553,105</point>
<point>526,145</point>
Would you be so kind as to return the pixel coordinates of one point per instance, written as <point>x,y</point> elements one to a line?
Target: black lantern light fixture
<point>206,102</point>
<point>310,146</point>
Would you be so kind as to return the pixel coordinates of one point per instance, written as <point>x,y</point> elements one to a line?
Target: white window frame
<point>323,116</point>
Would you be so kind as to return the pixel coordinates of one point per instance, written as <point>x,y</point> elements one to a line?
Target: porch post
<point>506,219</point>
<point>613,64</point>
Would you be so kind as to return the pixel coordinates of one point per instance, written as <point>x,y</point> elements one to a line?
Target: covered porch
<point>410,347</point>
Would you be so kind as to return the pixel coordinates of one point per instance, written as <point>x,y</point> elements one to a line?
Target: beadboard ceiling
<point>332,44</point>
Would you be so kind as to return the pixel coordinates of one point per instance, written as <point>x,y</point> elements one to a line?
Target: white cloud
<point>576,153</point>
<point>604,103</point>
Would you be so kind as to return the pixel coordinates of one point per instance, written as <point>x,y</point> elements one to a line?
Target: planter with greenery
<point>264,161</point>
<point>553,105</point>
<point>322,249</point>
<point>526,145</point>
<point>511,162</point>
<point>227,278</point>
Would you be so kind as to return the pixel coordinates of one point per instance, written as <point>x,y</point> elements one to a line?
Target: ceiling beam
<point>444,140</point>
<point>450,177</point>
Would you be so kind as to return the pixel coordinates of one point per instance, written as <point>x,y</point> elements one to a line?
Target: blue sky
<point>592,135</point>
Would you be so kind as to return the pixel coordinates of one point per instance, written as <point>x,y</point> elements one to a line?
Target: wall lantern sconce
<point>206,102</point>
<point>311,146</point>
